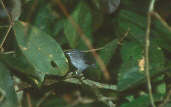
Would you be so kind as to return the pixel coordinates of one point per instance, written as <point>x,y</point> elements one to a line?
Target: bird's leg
<point>78,72</point>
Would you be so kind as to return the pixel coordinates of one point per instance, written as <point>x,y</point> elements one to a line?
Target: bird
<point>79,59</point>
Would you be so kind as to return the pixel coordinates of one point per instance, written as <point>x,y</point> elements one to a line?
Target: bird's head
<point>73,53</point>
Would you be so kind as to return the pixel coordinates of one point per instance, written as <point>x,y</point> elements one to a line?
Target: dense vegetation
<point>36,72</point>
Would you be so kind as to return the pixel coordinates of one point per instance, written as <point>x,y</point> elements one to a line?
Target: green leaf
<point>40,50</point>
<point>161,88</point>
<point>108,51</point>
<point>83,18</point>
<point>168,105</point>
<point>20,63</point>
<point>58,31</point>
<point>8,96</point>
<point>130,74</point>
<point>131,52</point>
<point>162,35</point>
<point>133,22</point>
<point>142,101</point>
<point>137,24</point>
<point>45,19</point>
<point>16,10</point>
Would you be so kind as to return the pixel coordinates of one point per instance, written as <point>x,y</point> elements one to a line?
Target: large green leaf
<point>137,24</point>
<point>162,35</point>
<point>45,19</point>
<point>108,51</point>
<point>132,22</point>
<point>168,105</point>
<point>81,16</point>
<point>40,50</point>
<point>20,63</point>
<point>7,93</point>
<point>130,73</point>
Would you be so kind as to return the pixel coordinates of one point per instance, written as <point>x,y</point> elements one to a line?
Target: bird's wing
<point>89,59</point>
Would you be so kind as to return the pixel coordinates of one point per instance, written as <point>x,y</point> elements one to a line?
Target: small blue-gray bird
<point>79,59</point>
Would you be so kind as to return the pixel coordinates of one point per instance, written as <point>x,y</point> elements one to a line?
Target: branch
<point>161,20</point>
<point>147,45</point>
<point>91,83</point>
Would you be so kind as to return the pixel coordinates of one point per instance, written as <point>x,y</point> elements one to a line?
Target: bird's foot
<point>79,74</point>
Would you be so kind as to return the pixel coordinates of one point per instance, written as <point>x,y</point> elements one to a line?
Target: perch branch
<point>91,83</point>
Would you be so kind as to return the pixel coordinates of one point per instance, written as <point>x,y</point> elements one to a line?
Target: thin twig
<point>147,45</point>
<point>28,99</point>
<point>161,20</point>
<point>97,49</point>
<point>11,24</point>
<point>43,99</point>
<point>6,35</point>
<point>86,40</point>
<point>9,52</point>
<point>125,35</point>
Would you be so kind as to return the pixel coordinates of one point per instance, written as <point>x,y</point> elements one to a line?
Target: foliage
<point>35,71</point>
